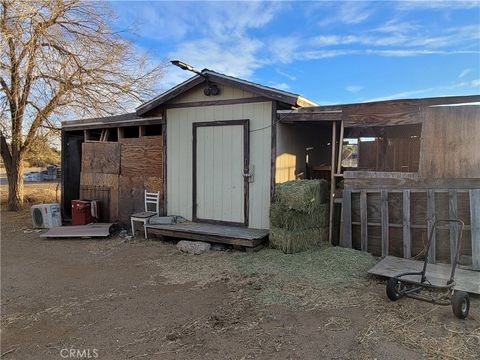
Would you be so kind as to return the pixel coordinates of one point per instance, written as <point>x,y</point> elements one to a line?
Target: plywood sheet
<point>131,194</point>
<point>79,231</point>
<point>142,156</point>
<point>101,157</point>
<point>437,274</point>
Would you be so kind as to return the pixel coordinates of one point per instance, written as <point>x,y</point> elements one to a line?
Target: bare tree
<point>59,58</point>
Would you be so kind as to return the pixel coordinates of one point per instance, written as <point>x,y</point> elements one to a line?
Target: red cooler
<point>81,212</point>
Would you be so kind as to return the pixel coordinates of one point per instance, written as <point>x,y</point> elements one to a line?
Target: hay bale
<point>302,195</point>
<point>293,241</point>
<point>289,219</point>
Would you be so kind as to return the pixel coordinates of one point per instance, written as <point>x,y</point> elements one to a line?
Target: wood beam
<point>407,225</point>
<point>332,181</point>
<point>432,253</point>
<point>384,221</point>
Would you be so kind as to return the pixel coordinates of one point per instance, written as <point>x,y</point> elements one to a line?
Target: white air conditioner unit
<point>46,215</point>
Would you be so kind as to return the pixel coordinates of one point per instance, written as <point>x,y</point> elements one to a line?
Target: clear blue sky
<point>330,52</point>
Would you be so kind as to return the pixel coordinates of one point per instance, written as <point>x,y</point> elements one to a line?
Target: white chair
<point>150,199</point>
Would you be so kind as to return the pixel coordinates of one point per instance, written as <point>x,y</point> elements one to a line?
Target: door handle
<point>249,174</point>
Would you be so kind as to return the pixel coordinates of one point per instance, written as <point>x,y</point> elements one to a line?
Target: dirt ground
<point>112,299</point>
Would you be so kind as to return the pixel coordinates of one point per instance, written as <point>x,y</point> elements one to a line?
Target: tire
<point>392,289</point>
<point>460,304</point>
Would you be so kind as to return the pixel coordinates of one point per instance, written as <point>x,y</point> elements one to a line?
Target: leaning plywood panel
<point>92,183</point>
<point>101,157</point>
<point>131,194</point>
<point>450,142</point>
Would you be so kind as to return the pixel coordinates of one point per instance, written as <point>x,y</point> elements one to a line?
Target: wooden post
<point>121,132</point>
<point>273,151</point>
<point>332,181</point>
<point>141,131</point>
<point>347,218</point>
<point>384,216</point>
<point>475,227</point>
<point>363,220</point>
<point>340,149</point>
<point>407,231</point>
<point>453,214</point>
<point>432,253</point>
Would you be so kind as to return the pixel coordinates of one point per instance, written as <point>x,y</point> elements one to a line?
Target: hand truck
<point>399,286</point>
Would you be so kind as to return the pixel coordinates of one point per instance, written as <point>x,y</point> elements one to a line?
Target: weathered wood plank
<point>347,218</point>
<point>332,181</point>
<point>446,128</point>
<point>340,149</point>
<point>407,231</point>
<point>438,274</point>
<point>453,214</point>
<point>397,180</point>
<point>384,221</point>
<point>475,227</point>
<point>363,220</point>
<point>432,252</point>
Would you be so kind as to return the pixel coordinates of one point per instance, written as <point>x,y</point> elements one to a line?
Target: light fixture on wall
<point>210,89</point>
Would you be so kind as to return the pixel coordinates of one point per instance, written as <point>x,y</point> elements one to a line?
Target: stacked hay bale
<point>299,215</point>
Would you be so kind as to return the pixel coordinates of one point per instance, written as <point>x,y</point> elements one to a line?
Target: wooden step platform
<point>232,235</point>
<point>437,274</point>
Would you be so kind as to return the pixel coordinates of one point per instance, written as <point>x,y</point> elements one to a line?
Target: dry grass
<point>45,192</point>
<point>433,329</point>
<point>324,277</point>
<point>308,280</point>
<point>327,278</point>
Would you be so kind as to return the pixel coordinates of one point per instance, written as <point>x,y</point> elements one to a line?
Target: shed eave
<point>258,89</point>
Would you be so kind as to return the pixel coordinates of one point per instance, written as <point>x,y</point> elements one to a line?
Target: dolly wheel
<point>460,304</point>
<point>393,287</point>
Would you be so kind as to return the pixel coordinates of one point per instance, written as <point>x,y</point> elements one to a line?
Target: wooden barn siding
<point>417,225</point>
<point>120,172</point>
<point>451,143</point>
<point>179,154</point>
<point>447,181</point>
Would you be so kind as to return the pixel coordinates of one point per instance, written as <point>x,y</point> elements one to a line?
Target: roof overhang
<point>114,121</point>
<point>285,97</point>
<point>378,113</point>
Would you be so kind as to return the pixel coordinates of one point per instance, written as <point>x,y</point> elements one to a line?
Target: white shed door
<point>219,163</point>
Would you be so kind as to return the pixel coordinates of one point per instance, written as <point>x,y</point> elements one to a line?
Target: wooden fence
<point>397,222</point>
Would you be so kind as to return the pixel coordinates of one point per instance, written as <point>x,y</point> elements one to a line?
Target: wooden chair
<point>150,199</point>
